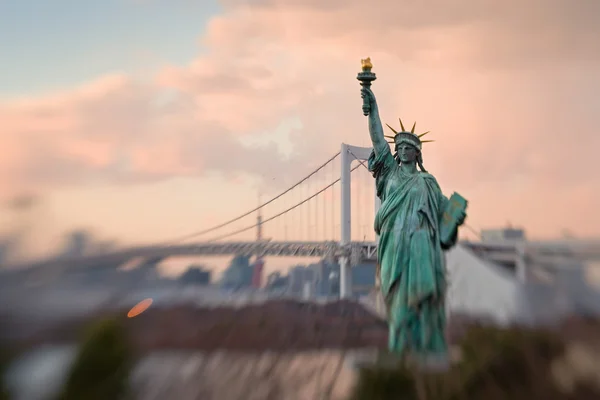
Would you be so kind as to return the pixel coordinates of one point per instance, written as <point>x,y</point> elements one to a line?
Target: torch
<point>366,77</point>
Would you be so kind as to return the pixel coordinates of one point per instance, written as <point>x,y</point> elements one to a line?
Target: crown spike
<point>393,130</point>
<point>427,141</point>
<point>389,137</point>
<point>401,125</point>
<point>423,134</point>
<point>413,128</point>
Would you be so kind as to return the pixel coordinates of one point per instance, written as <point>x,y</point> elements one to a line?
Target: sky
<point>144,120</point>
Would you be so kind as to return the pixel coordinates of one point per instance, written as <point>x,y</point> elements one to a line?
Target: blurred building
<point>321,279</point>
<point>325,278</point>
<point>196,275</point>
<point>503,235</point>
<point>509,279</point>
<point>334,283</point>
<point>77,244</point>
<point>238,274</point>
<point>277,282</point>
<point>363,279</point>
<point>296,276</point>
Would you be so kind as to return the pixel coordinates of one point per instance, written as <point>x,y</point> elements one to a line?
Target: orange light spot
<point>139,308</point>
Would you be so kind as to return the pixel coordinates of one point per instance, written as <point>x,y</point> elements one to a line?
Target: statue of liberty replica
<point>415,224</point>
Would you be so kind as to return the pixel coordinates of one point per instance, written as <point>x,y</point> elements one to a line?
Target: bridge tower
<point>259,262</point>
<point>259,222</point>
<point>348,154</point>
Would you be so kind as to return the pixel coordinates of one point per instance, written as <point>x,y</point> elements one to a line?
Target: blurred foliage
<point>4,361</point>
<point>496,364</point>
<point>507,363</point>
<point>102,366</point>
<point>381,383</point>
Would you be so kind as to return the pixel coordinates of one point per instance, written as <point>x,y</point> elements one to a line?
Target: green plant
<point>496,364</point>
<point>102,366</point>
<point>510,363</point>
<point>4,361</point>
<point>380,383</point>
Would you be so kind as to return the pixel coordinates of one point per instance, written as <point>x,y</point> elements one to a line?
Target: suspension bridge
<point>327,214</point>
<point>307,219</point>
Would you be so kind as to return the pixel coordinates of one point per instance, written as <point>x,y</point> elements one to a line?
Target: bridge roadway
<point>358,251</point>
<point>549,252</point>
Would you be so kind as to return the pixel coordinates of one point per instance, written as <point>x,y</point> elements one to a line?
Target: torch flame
<point>366,64</point>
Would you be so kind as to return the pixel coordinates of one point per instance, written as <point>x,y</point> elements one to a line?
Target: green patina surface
<point>415,224</point>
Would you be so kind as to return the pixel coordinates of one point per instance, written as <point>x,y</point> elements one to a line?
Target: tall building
<point>238,274</point>
<point>363,278</point>
<point>297,277</point>
<point>325,278</point>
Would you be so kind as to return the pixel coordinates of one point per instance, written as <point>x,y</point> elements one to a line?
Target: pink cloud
<point>114,129</point>
<point>508,89</point>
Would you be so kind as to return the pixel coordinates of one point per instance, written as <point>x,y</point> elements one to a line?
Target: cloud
<point>508,33</point>
<point>116,129</point>
<point>508,89</point>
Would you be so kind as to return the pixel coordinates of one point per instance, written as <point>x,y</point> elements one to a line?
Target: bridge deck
<point>358,251</point>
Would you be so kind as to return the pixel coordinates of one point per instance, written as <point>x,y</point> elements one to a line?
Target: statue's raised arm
<point>370,108</point>
<point>375,127</point>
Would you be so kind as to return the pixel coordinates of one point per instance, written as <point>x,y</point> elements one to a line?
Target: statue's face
<point>407,153</point>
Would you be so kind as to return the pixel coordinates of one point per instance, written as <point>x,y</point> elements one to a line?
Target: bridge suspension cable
<point>214,228</point>
<point>225,236</point>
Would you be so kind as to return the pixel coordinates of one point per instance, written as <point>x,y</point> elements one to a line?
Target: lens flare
<point>139,308</point>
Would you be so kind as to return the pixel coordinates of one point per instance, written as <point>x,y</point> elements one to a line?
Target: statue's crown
<point>407,137</point>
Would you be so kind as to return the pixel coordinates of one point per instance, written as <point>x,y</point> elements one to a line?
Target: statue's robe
<point>411,259</point>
